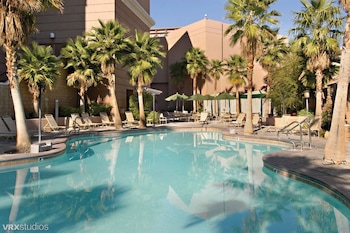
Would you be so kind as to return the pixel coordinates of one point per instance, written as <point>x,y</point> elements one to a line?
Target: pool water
<point>163,182</point>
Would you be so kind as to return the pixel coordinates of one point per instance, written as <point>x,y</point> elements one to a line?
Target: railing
<point>291,126</point>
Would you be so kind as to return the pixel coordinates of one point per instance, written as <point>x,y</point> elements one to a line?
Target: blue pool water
<point>163,182</point>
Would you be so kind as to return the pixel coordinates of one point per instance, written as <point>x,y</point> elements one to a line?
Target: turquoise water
<point>163,182</point>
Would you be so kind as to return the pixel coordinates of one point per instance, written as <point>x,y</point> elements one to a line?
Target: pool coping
<point>332,179</point>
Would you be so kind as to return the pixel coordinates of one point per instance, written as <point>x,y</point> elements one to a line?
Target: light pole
<point>307,96</point>
<point>41,85</point>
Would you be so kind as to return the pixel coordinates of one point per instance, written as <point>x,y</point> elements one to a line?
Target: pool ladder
<point>291,126</point>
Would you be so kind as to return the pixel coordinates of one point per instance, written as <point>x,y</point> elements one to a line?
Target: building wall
<point>80,16</point>
<point>208,35</point>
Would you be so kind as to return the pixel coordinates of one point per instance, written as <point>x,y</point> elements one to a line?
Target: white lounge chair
<point>130,120</point>
<point>239,122</point>
<point>79,121</point>
<point>162,119</point>
<point>4,131</point>
<point>52,124</point>
<point>203,118</point>
<point>87,120</point>
<point>10,123</point>
<point>105,119</point>
<point>256,120</point>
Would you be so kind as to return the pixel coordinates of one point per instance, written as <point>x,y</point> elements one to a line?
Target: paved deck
<point>307,164</point>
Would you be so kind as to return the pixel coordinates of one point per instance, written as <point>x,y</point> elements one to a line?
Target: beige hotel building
<point>80,15</point>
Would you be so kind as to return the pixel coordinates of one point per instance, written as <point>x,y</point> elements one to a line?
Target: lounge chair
<point>315,126</point>
<point>10,123</point>
<point>239,121</point>
<point>280,123</point>
<point>71,126</point>
<point>4,131</point>
<point>256,121</point>
<point>52,124</point>
<point>162,119</point>
<point>87,120</point>
<point>130,120</point>
<point>105,119</point>
<point>203,118</point>
<point>79,121</point>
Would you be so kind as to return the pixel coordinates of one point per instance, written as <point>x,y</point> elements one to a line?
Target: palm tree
<point>216,69</point>
<point>143,60</point>
<point>17,21</point>
<point>38,66</point>
<point>335,146</point>
<point>85,72</point>
<point>317,33</point>
<point>178,73</point>
<point>109,44</point>
<point>236,69</point>
<point>252,19</point>
<point>196,68</point>
<point>273,52</point>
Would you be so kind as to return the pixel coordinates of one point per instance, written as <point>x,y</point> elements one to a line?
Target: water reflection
<point>168,182</point>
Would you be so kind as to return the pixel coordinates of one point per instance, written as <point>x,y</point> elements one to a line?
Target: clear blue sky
<point>178,13</point>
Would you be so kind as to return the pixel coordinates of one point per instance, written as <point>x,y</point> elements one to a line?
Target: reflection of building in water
<point>213,200</point>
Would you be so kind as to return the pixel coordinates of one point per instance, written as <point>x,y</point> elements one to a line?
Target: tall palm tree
<point>178,73</point>
<point>251,24</point>
<point>335,146</point>
<point>236,70</point>
<point>85,72</point>
<point>109,43</point>
<point>17,21</point>
<point>317,32</point>
<point>38,66</point>
<point>216,69</point>
<point>274,50</point>
<point>196,68</point>
<point>143,60</point>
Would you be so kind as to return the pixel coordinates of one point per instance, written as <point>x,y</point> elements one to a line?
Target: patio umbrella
<point>225,96</point>
<point>197,97</point>
<point>176,97</point>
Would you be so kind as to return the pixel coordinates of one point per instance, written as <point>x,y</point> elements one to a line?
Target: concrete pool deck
<point>306,165</point>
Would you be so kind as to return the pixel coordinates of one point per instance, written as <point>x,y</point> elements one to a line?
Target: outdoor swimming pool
<point>163,182</point>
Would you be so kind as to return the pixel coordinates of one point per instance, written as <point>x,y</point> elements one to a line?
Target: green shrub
<point>96,108</point>
<point>134,104</point>
<point>66,111</point>
<point>154,116</point>
<point>302,112</point>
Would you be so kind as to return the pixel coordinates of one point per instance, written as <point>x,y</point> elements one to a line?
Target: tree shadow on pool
<point>62,210</point>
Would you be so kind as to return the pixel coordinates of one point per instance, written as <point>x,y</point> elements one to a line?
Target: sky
<point>179,13</point>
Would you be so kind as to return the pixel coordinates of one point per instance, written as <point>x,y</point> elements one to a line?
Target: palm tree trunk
<point>319,93</point>
<point>237,102</point>
<point>194,92</point>
<point>142,123</point>
<point>248,126</point>
<point>36,107</point>
<point>335,146</point>
<point>23,139</point>
<point>115,108</point>
<point>82,99</point>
